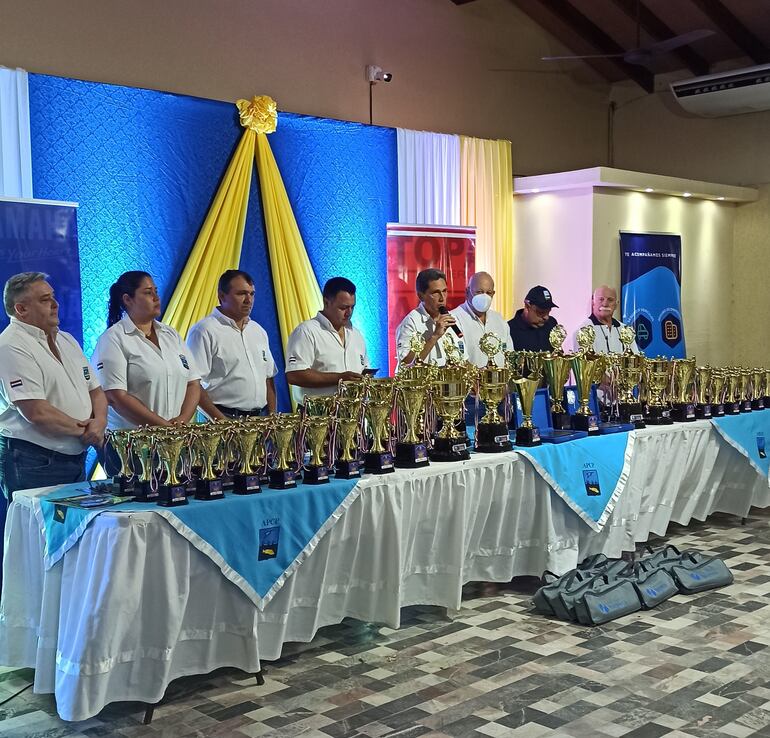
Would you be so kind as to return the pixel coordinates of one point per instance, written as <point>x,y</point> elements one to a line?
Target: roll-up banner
<point>651,291</point>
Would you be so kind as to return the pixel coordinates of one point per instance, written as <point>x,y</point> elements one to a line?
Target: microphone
<point>456,328</point>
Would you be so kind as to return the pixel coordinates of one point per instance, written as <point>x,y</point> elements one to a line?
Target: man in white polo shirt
<point>327,348</point>
<point>232,354</point>
<point>51,404</point>
<point>475,318</point>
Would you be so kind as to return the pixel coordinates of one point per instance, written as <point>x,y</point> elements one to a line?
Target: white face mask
<point>481,302</point>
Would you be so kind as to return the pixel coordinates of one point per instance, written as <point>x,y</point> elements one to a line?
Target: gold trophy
<point>527,434</point>
<point>557,366</point>
<point>766,388</point>
<point>379,407</point>
<point>248,435</point>
<point>757,389</point>
<point>631,373</point>
<point>449,388</point>
<point>169,444</point>
<point>120,441</point>
<point>319,419</point>
<point>283,430</point>
<point>492,430</point>
<point>732,393</point>
<point>143,445</point>
<point>588,368</point>
<point>657,382</point>
<point>717,391</point>
<point>683,406</point>
<point>703,375</point>
<point>349,406</point>
<point>744,386</point>
<point>411,392</point>
<point>208,442</point>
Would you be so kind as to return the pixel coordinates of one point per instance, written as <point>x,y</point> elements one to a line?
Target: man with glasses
<point>531,326</point>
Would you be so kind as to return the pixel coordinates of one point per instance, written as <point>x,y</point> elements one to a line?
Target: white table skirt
<point>133,605</point>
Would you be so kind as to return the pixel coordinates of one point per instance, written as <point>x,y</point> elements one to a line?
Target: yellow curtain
<point>486,201</point>
<point>218,246</point>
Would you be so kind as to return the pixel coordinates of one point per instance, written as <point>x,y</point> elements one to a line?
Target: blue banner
<point>749,434</point>
<point>36,236</point>
<point>651,287</point>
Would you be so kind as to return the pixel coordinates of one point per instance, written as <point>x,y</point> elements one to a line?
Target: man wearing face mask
<point>532,325</point>
<point>475,318</point>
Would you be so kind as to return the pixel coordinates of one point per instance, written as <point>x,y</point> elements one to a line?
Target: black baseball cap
<point>540,297</point>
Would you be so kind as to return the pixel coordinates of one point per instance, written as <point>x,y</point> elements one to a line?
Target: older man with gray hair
<point>604,302</point>
<point>51,404</point>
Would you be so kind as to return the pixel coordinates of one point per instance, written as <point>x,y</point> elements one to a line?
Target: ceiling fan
<point>643,55</point>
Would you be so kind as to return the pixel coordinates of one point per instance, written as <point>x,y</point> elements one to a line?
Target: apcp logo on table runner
<point>268,539</point>
<point>591,480</point>
<point>761,446</point>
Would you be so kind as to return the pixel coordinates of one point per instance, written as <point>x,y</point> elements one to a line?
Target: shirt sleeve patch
<point>14,383</point>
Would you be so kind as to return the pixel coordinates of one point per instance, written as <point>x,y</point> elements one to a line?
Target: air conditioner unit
<point>727,93</point>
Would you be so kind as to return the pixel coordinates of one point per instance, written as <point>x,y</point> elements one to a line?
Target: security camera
<point>375,74</point>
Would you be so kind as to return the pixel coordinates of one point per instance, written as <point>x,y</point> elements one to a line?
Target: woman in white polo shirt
<point>144,365</point>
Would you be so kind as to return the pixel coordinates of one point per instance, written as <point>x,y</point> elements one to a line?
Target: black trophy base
<point>528,437</point>
<point>683,412</point>
<point>703,411</point>
<point>378,463</point>
<point>449,449</point>
<point>123,486</point>
<point>658,416</point>
<point>143,491</point>
<point>282,479</point>
<point>228,481</point>
<point>411,455</point>
<point>758,404</point>
<point>209,489</point>
<point>718,410</point>
<point>732,408</point>
<point>561,421</point>
<point>492,438</point>
<point>316,475</point>
<point>631,413</point>
<point>587,423</point>
<point>746,406</point>
<point>172,495</point>
<point>347,469</point>
<point>246,484</point>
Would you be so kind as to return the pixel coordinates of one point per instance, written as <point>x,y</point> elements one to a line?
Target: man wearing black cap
<point>532,324</point>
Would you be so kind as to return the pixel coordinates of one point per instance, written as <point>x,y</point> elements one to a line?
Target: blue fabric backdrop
<point>145,165</point>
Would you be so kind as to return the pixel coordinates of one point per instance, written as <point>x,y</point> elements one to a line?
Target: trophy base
<point>228,481</point>
<point>561,421</point>
<point>378,463</point>
<point>745,406</point>
<point>587,423</point>
<point>143,491</point>
<point>124,486</point>
<point>492,438</point>
<point>449,449</point>
<point>172,495</point>
<point>347,469</point>
<point>632,413</point>
<point>282,479</point>
<point>758,404</point>
<point>732,408</point>
<point>209,489</point>
<point>613,426</point>
<point>703,411</point>
<point>411,455</point>
<point>316,475</point>
<point>528,437</point>
<point>683,412</point>
<point>658,416</point>
<point>246,484</point>
<point>718,410</point>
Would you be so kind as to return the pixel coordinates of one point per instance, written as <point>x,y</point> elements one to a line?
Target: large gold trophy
<point>248,435</point>
<point>120,441</point>
<point>683,410</point>
<point>350,397</point>
<point>657,384</point>
<point>412,384</point>
<point>757,389</point>
<point>703,378</point>
<point>557,366</point>
<point>631,373</point>
<point>169,444</point>
<point>716,392</point>
<point>378,410</point>
<point>526,376</point>
<point>319,421</point>
<point>284,428</point>
<point>492,430</point>
<point>449,388</point>
<point>143,444</point>
<point>588,368</point>
<point>208,440</point>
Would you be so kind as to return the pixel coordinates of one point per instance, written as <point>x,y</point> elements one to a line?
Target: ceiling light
<point>536,189</point>
<point>648,189</point>
<point>687,194</point>
<point>721,198</point>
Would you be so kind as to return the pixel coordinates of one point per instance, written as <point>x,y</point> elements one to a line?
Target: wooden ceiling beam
<point>735,30</point>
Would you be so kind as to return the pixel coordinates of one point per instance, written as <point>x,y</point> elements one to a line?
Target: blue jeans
<point>25,465</point>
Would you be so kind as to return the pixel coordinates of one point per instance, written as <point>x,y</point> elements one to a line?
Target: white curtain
<point>428,178</point>
<point>15,147</point>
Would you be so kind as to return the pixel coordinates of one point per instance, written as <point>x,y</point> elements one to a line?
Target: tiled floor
<point>696,666</point>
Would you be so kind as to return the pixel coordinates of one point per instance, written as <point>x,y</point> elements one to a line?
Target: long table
<point>133,605</point>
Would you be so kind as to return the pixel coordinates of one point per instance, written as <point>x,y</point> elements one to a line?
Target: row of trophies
<point>418,416</point>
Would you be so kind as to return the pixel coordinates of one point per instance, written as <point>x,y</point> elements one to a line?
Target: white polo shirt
<point>234,364</point>
<point>418,321</point>
<point>126,359</point>
<point>606,338</point>
<point>315,344</point>
<point>30,371</point>
<point>473,329</point>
